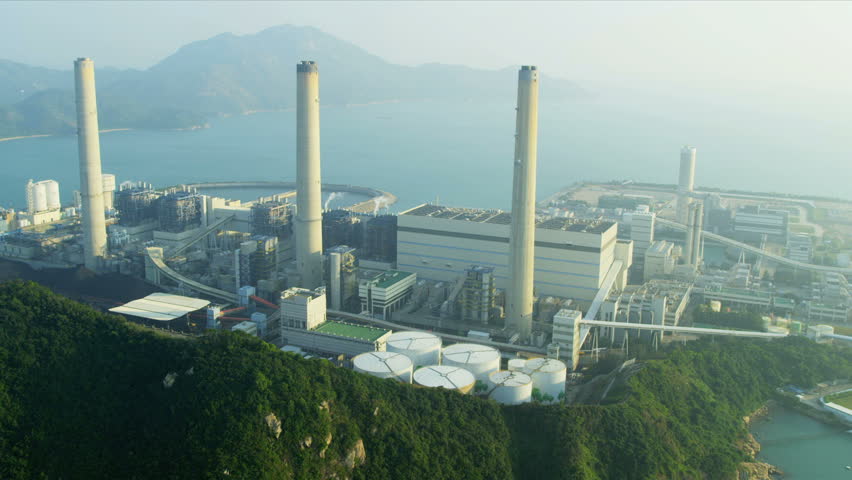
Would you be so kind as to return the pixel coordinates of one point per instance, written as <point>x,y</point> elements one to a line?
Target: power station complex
<point>531,289</point>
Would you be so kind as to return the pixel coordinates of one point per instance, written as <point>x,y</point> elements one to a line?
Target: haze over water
<point>461,153</point>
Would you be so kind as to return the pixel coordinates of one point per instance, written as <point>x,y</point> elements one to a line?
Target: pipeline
<point>263,302</point>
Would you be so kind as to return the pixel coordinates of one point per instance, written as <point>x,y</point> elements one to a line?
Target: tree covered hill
<point>88,395</point>
<point>230,74</point>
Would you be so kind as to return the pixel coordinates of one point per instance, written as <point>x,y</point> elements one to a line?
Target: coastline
<point>22,137</point>
<point>754,469</point>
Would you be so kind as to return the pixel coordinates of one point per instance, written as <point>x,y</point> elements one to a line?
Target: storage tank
<point>548,375</point>
<point>39,197</point>
<point>444,376</point>
<point>421,347</point>
<point>480,360</point>
<point>52,194</point>
<point>510,388</point>
<point>517,364</point>
<point>384,365</point>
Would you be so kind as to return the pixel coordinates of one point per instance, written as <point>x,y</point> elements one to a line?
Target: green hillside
<point>88,395</point>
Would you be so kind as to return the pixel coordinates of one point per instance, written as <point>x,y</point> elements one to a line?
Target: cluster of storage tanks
<point>418,357</point>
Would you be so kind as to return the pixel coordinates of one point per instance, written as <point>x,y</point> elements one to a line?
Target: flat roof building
<point>572,257</point>
<point>386,292</point>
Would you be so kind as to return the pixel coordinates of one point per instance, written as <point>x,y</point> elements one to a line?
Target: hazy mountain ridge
<point>229,74</point>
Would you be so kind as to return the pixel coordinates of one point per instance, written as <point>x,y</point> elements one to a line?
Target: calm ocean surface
<point>803,448</point>
<point>461,153</point>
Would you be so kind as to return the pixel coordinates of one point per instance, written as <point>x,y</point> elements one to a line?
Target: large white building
<point>303,308</point>
<point>572,257</point>
<point>385,293</point>
<point>642,233</point>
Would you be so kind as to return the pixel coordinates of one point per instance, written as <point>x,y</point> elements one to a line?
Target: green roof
<point>390,277</point>
<point>360,332</point>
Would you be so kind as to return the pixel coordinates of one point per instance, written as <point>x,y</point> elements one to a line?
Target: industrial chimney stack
<point>309,188</point>
<point>91,180</point>
<point>519,309</point>
<point>685,183</point>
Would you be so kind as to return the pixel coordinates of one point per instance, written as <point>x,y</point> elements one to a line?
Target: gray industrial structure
<point>686,182</point>
<point>91,179</point>
<point>519,301</point>
<point>308,222</point>
<point>693,250</point>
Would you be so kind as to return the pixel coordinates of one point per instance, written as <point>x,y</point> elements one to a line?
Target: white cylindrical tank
<point>39,197</point>
<point>52,192</point>
<point>548,375</point>
<point>480,360</point>
<point>443,376</point>
<point>421,347</point>
<point>517,364</point>
<point>510,388</point>
<point>384,365</point>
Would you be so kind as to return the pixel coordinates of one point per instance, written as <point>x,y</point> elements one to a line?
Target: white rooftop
<point>444,376</point>
<point>161,306</point>
<point>414,340</point>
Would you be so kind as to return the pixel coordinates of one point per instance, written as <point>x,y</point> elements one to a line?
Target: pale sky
<point>757,47</point>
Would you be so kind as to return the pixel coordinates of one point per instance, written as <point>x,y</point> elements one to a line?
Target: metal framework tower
<point>522,238</point>
<point>91,180</point>
<point>308,224</point>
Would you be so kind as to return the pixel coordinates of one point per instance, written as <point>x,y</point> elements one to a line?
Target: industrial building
<point>380,238</point>
<point>657,302</point>
<point>478,294</point>
<point>302,308</point>
<point>304,324</point>
<point>162,310</point>
<point>752,222</point>
<point>386,292</point>
<point>660,260</point>
<point>566,336</point>
<point>800,247</point>
<point>572,257</point>
<point>271,218</point>
<point>642,234</point>
<point>341,278</point>
<point>179,211</point>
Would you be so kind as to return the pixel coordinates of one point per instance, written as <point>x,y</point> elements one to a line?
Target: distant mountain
<point>230,74</point>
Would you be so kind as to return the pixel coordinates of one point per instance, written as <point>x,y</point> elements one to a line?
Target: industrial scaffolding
<point>271,219</point>
<point>179,210</point>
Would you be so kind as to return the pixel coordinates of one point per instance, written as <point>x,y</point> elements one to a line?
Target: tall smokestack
<point>309,189</point>
<point>522,240</point>
<point>686,182</point>
<point>91,180</point>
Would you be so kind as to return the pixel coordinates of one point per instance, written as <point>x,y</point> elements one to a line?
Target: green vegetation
<point>87,395</point>
<point>737,320</point>
<point>844,399</point>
